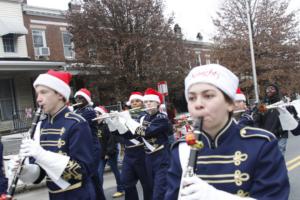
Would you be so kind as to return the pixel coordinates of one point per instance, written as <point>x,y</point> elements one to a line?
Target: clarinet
<point>192,140</point>
<point>12,188</point>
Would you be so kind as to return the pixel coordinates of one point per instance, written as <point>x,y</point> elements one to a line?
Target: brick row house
<point>32,40</point>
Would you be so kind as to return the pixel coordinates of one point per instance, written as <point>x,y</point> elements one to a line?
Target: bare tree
<point>129,44</point>
<point>275,39</point>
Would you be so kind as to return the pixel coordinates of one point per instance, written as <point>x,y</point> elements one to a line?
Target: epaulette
<point>161,116</point>
<point>182,139</point>
<point>74,116</point>
<point>251,132</point>
<point>89,108</point>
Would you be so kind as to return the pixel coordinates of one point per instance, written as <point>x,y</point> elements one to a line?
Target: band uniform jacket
<point>69,134</point>
<point>88,113</point>
<point>241,160</point>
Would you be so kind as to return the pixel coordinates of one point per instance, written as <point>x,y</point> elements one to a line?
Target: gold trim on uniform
<point>53,131</point>
<point>70,171</point>
<point>242,193</point>
<point>243,133</point>
<point>74,116</point>
<point>156,150</point>
<point>237,159</point>
<point>238,178</point>
<point>72,187</point>
<point>140,131</point>
<point>133,146</point>
<point>60,143</point>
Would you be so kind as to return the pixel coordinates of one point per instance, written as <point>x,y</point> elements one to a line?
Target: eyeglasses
<point>270,89</point>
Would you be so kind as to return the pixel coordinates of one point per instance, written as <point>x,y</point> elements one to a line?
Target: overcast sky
<point>192,15</point>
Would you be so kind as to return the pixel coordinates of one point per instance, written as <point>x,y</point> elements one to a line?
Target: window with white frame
<point>38,38</point>
<point>6,99</point>
<point>68,45</point>
<point>9,43</point>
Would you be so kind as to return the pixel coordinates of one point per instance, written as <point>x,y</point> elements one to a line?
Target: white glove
<point>115,124</point>
<point>29,173</point>
<point>110,124</point>
<point>53,163</point>
<point>129,122</point>
<point>195,188</point>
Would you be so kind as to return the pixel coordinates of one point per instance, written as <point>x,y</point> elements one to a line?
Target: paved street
<point>292,160</point>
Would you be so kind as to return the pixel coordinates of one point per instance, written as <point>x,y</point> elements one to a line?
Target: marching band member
<point>64,152</point>
<point>242,114</point>
<point>270,120</point>
<point>133,168</point>
<point>235,163</point>
<point>154,128</point>
<point>85,109</point>
<point>109,154</point>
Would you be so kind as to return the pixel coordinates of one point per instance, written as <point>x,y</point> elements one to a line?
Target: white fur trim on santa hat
<point>213,74</point>
<point>84,95</point>
<point>100,110</point>
<point>240,97</point>
<point>151,97</point>
<point>135,96</point>
<point>54,83</point>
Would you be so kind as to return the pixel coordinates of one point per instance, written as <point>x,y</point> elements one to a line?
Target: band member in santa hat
<point>133,168</point>
<point>241,113</point>
<point>63,153</point>
<point>85,109</point>
<point>154,128</point>
<point>236,163</point>
<point>110,151</point>
<point>240,100</point>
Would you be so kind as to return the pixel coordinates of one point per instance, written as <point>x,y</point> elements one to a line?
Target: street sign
<point>163,87</point>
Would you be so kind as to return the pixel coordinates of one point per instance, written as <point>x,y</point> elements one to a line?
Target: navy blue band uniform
<point>88,113</point>
<point>69,134</point>
<point>155,131</point>
<point>242,161</point>
<point>133,168</point>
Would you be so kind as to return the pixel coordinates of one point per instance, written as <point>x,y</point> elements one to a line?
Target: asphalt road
<point>292,159</point>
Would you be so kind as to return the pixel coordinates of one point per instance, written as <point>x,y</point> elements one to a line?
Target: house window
<point>67,43</point>
<point>6,99</point>
<point>9,41</point>
<point>207,59</point>
<point>39,39</point>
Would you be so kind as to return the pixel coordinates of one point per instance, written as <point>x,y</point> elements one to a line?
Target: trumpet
<point>116,114</point>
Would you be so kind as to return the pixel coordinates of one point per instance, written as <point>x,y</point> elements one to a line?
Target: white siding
<point>13,10</point>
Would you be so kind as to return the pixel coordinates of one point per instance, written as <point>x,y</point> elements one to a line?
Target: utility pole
<point>252,52</point>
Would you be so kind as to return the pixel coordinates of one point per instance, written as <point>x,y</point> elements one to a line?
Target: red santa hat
<point>101,109</point>
<point>136,95</point>
<point>213,74</point>
<point>239,96</point>
<point>152,95</point>
<point>56,80</point>
<point>85,93</point>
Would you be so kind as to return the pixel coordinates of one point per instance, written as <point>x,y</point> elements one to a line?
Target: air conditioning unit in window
<point>43,51</point>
